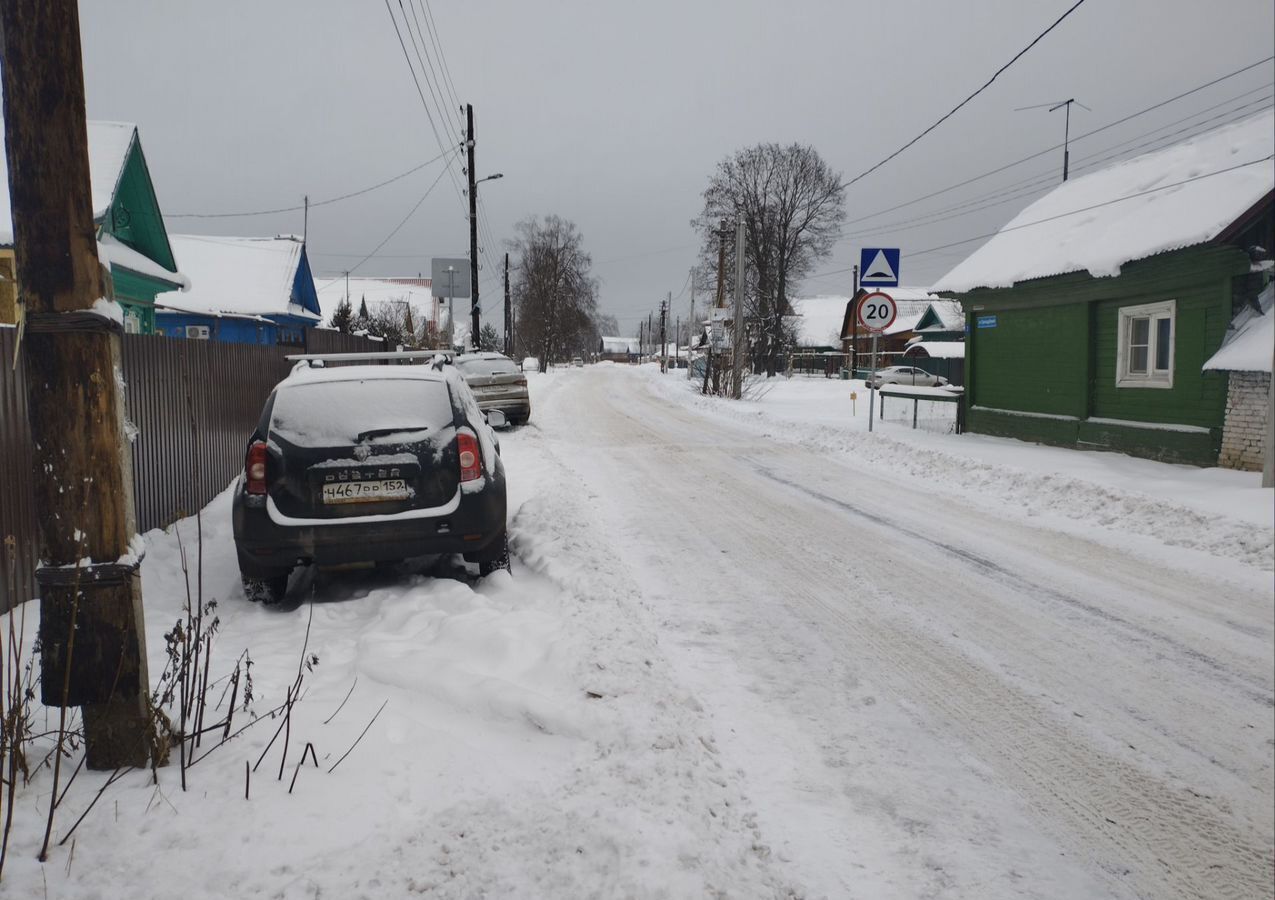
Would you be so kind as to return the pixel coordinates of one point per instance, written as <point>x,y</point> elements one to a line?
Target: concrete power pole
<point>473,228</point>
<point>737,387</point>
<point>91,627</point>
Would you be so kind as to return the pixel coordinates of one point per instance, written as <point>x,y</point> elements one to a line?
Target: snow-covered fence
<point>193,405</point>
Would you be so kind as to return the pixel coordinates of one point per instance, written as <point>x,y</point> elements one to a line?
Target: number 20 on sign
<point>877,311</point>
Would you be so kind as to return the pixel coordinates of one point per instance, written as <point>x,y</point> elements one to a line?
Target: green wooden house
<point>132,240</point>
<point>1091,315</point>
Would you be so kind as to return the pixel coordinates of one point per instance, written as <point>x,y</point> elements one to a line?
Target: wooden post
<point>93,648</point>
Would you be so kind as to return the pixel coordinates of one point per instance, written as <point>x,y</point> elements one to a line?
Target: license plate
<point>365,491</point>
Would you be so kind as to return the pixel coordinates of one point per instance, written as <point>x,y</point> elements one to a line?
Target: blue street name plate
<point>986,321</point>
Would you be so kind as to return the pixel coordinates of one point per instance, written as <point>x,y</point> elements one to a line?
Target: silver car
<point>498,384</point>
<point>909,375</point>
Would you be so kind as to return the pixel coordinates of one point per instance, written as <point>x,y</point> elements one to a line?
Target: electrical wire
<point>1048,180</point>
<point>396,230</point>
<point>1060,145</point>
<point>421,93</point>
<point>315,204</point>
<point>954,109</point>
<point>1163,187</point>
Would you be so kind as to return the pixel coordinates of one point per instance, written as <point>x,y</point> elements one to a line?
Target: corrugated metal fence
<point>17,505</point>
<point>194,403</point>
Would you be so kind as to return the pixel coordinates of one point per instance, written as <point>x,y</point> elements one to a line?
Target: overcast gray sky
<point>614,114</point>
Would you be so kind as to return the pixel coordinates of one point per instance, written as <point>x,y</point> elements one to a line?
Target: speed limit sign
<point>877,311</point>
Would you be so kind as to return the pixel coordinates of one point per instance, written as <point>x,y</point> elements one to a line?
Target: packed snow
<point>747,650</point>
<point>1177,197</point>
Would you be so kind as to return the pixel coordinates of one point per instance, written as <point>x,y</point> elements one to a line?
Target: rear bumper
<point>518,406</point>
<point>266,546</point>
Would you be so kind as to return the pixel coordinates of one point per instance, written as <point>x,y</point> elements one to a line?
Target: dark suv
<point>368,464</point>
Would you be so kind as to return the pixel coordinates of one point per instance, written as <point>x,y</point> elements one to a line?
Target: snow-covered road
<point>741,655</point>
<point>926,699</point>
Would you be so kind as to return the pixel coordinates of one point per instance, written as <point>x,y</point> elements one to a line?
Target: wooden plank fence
<point>193,404</point>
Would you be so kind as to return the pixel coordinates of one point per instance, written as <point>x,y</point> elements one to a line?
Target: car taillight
<point>470,459</point>
<point>521,379</point>
<point>254,468</point>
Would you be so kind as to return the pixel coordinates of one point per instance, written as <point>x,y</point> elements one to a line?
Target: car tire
<point>494,556</point>
<point>268,591</point>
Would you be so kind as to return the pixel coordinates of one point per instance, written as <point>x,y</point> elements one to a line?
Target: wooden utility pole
<point>664,333</point>
<point>509,314</point>
<point>473,227</point>
<point>91,629</point>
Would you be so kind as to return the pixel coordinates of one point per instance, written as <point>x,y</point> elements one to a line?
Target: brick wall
<point>1247,405</point>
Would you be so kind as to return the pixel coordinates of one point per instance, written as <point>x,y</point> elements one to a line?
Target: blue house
<point>243,291</point>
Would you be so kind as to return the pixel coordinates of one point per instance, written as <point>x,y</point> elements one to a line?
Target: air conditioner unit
<point>197,332</point>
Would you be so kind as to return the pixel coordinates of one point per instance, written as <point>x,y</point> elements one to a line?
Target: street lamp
<point>473,240</point>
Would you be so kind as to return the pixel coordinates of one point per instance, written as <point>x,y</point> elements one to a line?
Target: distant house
<point>915,310</point>
<point>428,313</point>
<point>619,349</point>
<point>1096,316</point>
<point>132,241</point>
<point>245,291</point>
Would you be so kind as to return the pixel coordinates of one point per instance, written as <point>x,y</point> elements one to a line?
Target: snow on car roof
<point>306,374</point>
<point>1169,199</point>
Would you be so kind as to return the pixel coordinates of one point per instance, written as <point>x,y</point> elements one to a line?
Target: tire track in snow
<point>1147,831</point>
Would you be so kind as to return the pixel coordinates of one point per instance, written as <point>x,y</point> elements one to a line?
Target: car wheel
<point>495,556</point>
<point>267,591</point>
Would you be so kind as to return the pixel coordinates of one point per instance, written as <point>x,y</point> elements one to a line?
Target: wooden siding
<point>1033,360</point>
<point>1053,354</point>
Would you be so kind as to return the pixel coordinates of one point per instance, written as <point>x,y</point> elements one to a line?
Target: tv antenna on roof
<point>1061,104</point>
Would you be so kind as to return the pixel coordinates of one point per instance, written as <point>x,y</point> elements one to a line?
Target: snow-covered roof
<point>1250,340</point>
<point>819,319</point>
<point>109,143</point>
<point>331,290</point>
<point>937,349</point>
<point>619,345</point>
<point>950,315</point>
<point>111,252</point>
<point>1172,198</point>
<point>244,276</point>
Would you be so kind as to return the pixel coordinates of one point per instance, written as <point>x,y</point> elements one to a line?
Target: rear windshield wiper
<point>382,432</point>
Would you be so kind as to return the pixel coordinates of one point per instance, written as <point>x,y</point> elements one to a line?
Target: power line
<point>432,26</point>
<point>954,109</point>
<point>1038,183</point>
<point>912,254</point>
<point>286,209</point>
<point>421,93</point>
<point>1040,153</point>
<point>397,227</point>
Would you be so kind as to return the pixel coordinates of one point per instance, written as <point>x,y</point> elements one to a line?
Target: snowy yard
<point>747,650</point>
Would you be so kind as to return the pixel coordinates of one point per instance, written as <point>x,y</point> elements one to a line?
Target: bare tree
<point>792,206</point>
<point>553,290</point>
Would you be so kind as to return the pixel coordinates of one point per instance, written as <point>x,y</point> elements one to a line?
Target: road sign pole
<point>872,391</point>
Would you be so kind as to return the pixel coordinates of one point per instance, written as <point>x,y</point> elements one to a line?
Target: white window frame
<point>1152,378</point>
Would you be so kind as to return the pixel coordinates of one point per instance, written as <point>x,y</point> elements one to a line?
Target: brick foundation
<point>1244,433</point>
